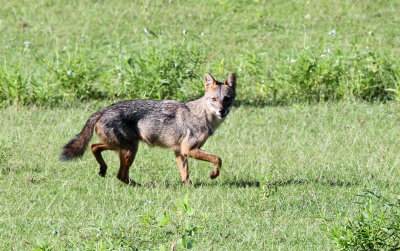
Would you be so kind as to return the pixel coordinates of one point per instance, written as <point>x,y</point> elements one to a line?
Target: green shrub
<point>75,76</point>
<point>375,226</point>
<point>175,72</point>
<point>161,73</point>
<point>172,72</point>
<point>17,86</point>
<point>316,76</point>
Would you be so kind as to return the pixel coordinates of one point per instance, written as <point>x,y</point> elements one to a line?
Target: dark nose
<point>222,111</point>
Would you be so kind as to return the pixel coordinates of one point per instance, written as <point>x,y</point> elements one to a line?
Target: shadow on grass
<point>279,183</point>
<point>240,183</point>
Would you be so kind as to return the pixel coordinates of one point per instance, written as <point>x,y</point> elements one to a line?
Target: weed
<point>375,225</point>
<point>184,227</point>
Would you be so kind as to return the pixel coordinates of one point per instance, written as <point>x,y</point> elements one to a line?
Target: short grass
<point>284,167</point>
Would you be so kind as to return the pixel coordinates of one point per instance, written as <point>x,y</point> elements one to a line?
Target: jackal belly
<point>162,137</point>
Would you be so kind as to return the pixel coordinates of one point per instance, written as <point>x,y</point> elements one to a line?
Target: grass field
<point>53,52</point>
<point>283,168</point>
<point>299,147</point>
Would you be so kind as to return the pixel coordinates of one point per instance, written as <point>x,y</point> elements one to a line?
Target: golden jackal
<point>182,126</point>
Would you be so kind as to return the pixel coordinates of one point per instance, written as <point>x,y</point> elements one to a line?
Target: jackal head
<point>220,96</point>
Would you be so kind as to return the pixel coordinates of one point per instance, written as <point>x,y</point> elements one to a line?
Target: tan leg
<point>126,157</point>
<point>183,168</point>
<point>202,155</point>
<point>97,148</point>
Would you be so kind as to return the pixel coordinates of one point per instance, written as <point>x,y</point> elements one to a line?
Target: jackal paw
<point>103,171</point>
<point>188,183</point>
<point>125,180</point>
<point>214,174</point>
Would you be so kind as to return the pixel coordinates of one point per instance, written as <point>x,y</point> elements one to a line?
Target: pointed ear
<point>209,81</point>
<point>231,81</point>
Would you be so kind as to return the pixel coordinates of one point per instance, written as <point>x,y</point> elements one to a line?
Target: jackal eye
<point>213,99</point>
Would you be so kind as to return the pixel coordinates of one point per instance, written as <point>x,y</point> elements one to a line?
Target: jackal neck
<point>200,109</point>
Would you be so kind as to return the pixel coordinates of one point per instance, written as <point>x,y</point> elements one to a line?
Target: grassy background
<point>54,52</point>
<point>283,168</point>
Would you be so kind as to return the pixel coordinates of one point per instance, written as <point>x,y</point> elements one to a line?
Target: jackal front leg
<point>202,155</point>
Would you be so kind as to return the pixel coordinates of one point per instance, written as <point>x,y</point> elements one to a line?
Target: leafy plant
<point>163,73</point>
<point>185,230</point>
<point>375,226</point>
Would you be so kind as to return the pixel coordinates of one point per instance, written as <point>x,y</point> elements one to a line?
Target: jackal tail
<point>76,147</point>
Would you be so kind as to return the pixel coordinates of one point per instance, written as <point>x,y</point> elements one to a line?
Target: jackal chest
<point>197,138</point>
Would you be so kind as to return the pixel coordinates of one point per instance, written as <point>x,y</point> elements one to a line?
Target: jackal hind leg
<point>183,168</point>
<point>205,156</point>
<point>126,156</point>
<point>96,149</point>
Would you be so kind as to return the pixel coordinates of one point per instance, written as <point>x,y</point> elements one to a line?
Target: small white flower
<point>240,69</point>
<point>6,46</point>
<point>175,64</point>
<point>367,48</point>
<point>64,48</point>
<point>262,81</point>
<point>370,33</point>
<point>307,47</point>
<point>327,51</point>
<point>117,68</point>
<point>147,202</point>
<point>146,31</point>
<point>69,72</point>
<point>323,55</point>
<point>332,33</point>
<point>184,32</point>
<point>293,60</point>
<point>119,75</point>
<point>202,34</point>
<point>27,43</point>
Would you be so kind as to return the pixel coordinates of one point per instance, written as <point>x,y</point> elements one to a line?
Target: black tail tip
<point>69,154</point>
<point>65,157</point>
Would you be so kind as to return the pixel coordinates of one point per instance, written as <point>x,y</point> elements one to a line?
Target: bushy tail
<point>76,147</point>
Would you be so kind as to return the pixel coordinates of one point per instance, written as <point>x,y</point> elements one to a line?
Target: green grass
<point>284,167</point>
<point>283,51</point>
<point>291,174</point>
